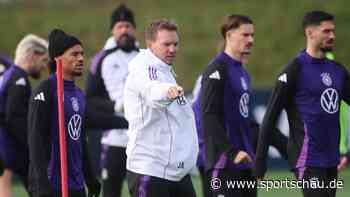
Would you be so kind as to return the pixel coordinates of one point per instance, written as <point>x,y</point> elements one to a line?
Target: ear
<point>228,34</point>
<point>112,32</point>
<point>149,43</point>
<point>309,32</point>
<point>57,58</point>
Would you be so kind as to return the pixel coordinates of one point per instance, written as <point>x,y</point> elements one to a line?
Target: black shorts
<point>149,186</point>
<point>324,177</point>
<point>218,182</point>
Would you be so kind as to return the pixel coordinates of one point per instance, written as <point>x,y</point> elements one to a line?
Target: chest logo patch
<point>244,105</point>
<point>329,100</point>
<point>74,127</point>
<point>283,78</point>
<point>215,75</point>
<point>326,79</point>
<point>181,100</point>
<point>21,82</point>
<point>244,84</point>
<point>75,104</point>
<point>152,73</point>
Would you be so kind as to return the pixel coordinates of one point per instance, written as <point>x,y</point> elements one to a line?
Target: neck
<point>158,57</point>
<point>315,52</point>
<point>234,55</point>
<point>67,77</point>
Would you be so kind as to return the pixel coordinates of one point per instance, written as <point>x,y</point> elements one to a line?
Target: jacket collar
<point>110,43</point>
<point>228,59</point>
<point>312,60</point>
<point>156,62</point>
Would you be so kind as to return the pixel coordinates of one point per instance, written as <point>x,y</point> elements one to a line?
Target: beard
<point>326,49</point>
<point>35,75</point>
<point>246,52</point>
<point>34,72</point>
<point>77,73</point>
<point>327,46</point>
<point>78,70</point>
<point>126,43</point>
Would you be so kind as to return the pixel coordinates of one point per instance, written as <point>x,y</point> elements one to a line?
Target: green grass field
<point>345,192</point>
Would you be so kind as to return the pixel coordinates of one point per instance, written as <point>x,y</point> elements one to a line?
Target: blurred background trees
<point>278,28</point>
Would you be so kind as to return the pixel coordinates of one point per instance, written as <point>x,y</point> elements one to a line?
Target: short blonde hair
<point>28,45</point>
<point>158,25</point>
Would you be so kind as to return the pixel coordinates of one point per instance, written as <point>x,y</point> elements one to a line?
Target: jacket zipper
<point>171,144</point>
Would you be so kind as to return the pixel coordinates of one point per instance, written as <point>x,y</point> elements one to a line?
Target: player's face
<point>241,40</point>
<point>165,45</point>
<point>122,27</point>
<point>73,61</point>
<point>324,35</point>
<point>40,61</point>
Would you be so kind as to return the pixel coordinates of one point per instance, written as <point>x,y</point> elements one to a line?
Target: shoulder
<point>13,74</point>
<point>80,92</point>
<point>144,73</point>
<point>108,54</point>
<point>141,65</point>
<point>42,91</point>
<point>80,95</point>
<point>108,59</point>
<point>96,61</point>
<point>16,85</point>
<point>43,85</point>
<point>215,70</point>
<point>104,59</point>
<point>292,66</point>
<point>339,66</point>
<point>141,58</point>
<point>19,80</point>
<point>289,71</point>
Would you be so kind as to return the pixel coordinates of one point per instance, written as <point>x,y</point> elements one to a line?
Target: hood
<point>110,43</point>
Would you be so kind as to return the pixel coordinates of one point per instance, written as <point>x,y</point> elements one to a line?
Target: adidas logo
<point>21,82</point>
<point>283,78</point>
<point>215,75</point>
<point>40,97</point>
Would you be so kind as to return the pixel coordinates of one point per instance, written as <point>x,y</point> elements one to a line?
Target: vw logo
<point>74,127</point>
<point>243,105</point>
<point>329,100</point>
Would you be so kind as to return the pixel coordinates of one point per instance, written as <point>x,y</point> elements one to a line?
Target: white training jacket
<point>114,71</point>
<point>163,141</point>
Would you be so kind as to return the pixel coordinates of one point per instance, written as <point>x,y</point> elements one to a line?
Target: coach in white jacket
<point>163,144</point>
